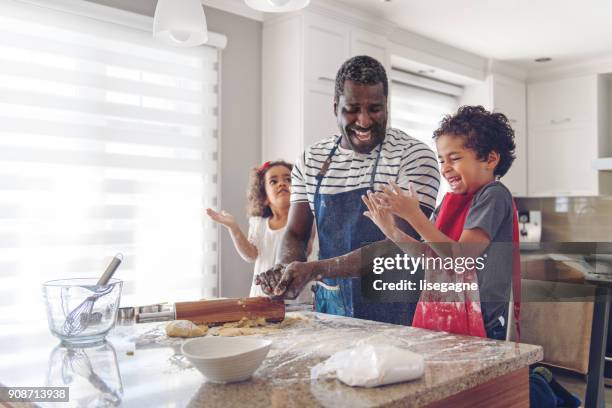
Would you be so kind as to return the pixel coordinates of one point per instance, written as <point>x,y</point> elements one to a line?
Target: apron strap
<point>327,163</point>
<point>321,174</point>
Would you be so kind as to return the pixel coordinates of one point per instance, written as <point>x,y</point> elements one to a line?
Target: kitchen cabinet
<point>567,131</point>
<point>508,96</point>
<point>301,56</point>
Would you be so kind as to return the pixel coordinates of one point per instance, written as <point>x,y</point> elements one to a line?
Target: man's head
<point>360,103</point>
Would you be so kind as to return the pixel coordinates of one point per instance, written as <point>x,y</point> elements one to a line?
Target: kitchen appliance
<point>530,226</point>
<point>221,311</point>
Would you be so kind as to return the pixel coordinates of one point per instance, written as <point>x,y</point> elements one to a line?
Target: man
<point>328,182</point>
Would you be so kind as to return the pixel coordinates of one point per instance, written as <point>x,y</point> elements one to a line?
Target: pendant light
<point>180,23</point>
<point>277,6</point>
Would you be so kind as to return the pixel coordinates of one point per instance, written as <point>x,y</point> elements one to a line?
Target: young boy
<point>475,148</point>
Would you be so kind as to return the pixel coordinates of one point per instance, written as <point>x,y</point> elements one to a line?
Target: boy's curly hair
<point>256,193</point>
<point>483,132</point>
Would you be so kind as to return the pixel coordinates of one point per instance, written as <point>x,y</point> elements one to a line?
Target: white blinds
<point>108,143</point>
<point>418,110</point>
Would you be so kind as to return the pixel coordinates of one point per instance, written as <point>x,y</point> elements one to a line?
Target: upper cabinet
<point>564,102</point>
<point>326,45</point>
<point>567,131</point>
<point>508,97</point>
<point>301,56</point>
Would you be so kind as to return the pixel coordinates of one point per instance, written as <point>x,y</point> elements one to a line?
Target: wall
<point>240,125</point>
<point>573,219</point>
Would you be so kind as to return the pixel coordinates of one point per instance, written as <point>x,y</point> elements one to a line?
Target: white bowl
<point>226,359</point>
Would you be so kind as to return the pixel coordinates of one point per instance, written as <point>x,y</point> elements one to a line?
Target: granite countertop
<point>140,366</point>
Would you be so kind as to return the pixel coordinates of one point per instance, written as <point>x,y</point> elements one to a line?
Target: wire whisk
<point>80,317</point>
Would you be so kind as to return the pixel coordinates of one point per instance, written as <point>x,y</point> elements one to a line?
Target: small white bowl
<point>226,359</point>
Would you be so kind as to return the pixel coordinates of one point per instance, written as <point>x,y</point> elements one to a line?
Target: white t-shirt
<point>267,242</point>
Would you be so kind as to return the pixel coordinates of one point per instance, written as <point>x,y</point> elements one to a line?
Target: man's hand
<point>295,276</point>
<point>269,279</point>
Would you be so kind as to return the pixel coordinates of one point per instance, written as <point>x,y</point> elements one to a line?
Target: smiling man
<point>328,181</point>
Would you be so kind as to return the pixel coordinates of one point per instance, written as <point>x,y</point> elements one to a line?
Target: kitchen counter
<point>140,366</point>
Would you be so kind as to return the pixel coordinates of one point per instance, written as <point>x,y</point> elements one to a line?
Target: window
<point>418,104</point>
<point>108,143</point>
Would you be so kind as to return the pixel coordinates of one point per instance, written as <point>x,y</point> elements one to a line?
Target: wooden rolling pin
<point>222,310</point>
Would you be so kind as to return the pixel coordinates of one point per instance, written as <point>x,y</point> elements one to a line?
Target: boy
<point>475,148</point>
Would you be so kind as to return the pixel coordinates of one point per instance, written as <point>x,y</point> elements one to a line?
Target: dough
<point>250,327</point>
<point>245,322</point>
<point>185,328</point>
<point>245,331</point>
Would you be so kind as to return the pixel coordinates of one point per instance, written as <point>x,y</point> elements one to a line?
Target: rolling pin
<point>221,311</point>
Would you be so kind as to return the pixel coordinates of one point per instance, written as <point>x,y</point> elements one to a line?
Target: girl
<point>268,207</point>
<point>475,148</point>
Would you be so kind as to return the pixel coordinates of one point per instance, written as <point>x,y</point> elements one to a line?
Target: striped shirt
<point>403,159</point>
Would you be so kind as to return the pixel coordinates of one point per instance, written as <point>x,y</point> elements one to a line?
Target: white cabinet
<point>320,120</point>
<point>508,97</point>
<point>326,47</point>
<point>367,43</point>
<point>567,131</point>
<point>564,101</point>
<point>301,56</point>
<point>560,161</point>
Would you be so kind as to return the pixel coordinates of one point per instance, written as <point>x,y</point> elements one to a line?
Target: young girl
<point>268,195</point>
<point>475,148</point>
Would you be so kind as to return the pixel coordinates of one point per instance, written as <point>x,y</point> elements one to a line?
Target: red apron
<point>453,312</point>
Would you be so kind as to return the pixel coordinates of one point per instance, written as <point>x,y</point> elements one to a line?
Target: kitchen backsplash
<point>573,219</point>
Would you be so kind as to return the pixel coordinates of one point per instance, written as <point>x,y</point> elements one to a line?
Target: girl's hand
<point>223,218</point>
<point>379,213</point>
<point>404,204</point>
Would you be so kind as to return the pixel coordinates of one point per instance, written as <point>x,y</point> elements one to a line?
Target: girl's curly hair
<point>483,132</point>
<point>256,193</point>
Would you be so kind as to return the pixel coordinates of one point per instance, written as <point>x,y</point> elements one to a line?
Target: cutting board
<point>230,310</point>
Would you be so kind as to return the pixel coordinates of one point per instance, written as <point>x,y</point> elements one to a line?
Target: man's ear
<point>335,108</point>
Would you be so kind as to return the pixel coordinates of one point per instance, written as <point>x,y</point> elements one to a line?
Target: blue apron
<point>342,228</point>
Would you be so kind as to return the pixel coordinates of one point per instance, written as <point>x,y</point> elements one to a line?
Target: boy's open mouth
<point>453,181</point>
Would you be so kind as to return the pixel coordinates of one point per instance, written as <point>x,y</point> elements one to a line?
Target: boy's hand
<point>380,214</point>
<point>223,217</point>
<point>404,204</point>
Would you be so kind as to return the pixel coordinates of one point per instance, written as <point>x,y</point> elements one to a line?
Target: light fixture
<point>277,6</point>
<point>180,23</point>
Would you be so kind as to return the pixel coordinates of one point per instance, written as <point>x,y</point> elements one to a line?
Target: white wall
<point>240,125</point>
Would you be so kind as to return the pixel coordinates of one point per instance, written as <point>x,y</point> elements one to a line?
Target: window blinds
<point>108,143</point>
<point>418,105</point>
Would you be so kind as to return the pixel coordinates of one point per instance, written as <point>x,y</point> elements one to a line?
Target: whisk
<point>78,319</point>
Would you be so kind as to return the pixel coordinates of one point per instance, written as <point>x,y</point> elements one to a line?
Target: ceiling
<point>510,30</point>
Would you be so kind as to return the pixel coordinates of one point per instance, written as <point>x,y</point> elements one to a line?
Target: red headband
<point>263,167</point>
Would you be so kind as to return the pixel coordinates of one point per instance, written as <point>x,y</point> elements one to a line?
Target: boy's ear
<point>493,159</point>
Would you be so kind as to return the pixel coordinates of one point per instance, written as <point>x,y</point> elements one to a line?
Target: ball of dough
<point>185,328</point>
